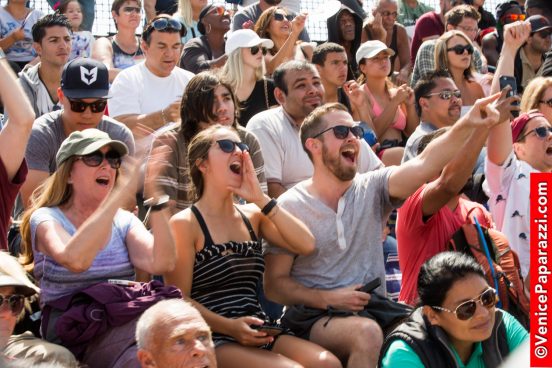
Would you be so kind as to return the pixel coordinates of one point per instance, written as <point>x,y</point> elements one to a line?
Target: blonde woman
<point>244,71</point>
<point>538,95</point>
<point>188,13</point>
<point>454,53</point>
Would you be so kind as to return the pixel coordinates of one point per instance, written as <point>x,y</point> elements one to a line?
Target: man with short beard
<point>346,213</point>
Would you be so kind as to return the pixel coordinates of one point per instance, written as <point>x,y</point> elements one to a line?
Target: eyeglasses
<point>446,95</point>
<point>218,10</point>
<point>95,107</point>
<point>547,102</point>
<point>510,18</point>
<point>388,13</point>
<point>255,50</point>
<point>541,132</point>
<point>162,24</point>
<point>228,146</point>
<point>96,158</point>
<point>281,17</point>
<point>459,49</point>
<point>467,309</point>
<point>342,131</point>
<point>544,34</point>
<point>467,29</point>
<point>131,9</point>
<point>15,303</point>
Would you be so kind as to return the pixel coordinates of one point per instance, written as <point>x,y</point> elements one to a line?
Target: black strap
<point>393,46</point>
<point>248,224</point>
<point>203,225</point>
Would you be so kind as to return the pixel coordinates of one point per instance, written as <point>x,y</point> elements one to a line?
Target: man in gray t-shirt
<point>83,94</point>
<point>346,212</point>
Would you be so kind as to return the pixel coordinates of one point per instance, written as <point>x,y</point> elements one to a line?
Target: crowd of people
<point>223,190</point>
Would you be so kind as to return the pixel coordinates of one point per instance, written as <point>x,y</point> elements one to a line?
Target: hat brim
<point>20,287</point>
<point>86,93</point>
<point>118,146</point>
<point>375,52</point>
<point>264,42</point>
<point>541,29</point>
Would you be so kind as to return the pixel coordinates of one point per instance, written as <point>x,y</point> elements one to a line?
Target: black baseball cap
<point>502,8</point>
<point>85,78</point>
<point>542,4</point>
<point>538,23</point>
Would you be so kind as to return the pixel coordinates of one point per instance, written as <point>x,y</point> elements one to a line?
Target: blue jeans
<point>88,8</point>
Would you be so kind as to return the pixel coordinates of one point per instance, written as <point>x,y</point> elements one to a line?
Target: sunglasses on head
<point>131,9</point>
<point>162,24</point>
<point>342,131</point>
<point>96,158</point>
<point>255,50</point>
<point>388,13</point>
<point>229,146</point>
<point>467,309</point>
<point>15,303</point>
<point>446,95</point>
<point>280,17</point>
<point>510,18</point>
<point>459,49</point>
<point>541,132</point>
<point>95,107</point>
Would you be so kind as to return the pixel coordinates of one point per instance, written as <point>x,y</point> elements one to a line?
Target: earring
<point>209,29</point>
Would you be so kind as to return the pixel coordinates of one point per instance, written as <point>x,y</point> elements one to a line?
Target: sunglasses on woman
<point>541,132</point>
<point>255,50</point>
<point>446,95</point>
<point>95,107</point>
<point>228,146</point>
<point>96,158</point>
<point>218,10</point>
<point>467,309</point>
<point>547,102</point>
<point>459,49</point>
<point>131,9</point>
<point>342,131</point>
<point>15,303</point>
<point>510,18</point>
<point>280,17</point>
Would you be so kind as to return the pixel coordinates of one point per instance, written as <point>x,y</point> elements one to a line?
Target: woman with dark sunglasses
<point>207,51</point>
<point>457,323</point>
<point>245,71</point>
<point>76,236</point>
<point>454,53</point>
<point>276,24</point>
<point>220,262</point>
<point>538,96</point>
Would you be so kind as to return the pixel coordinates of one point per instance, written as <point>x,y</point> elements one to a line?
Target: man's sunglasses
<point>342,131</point>
<point>228,146</point>
<point>446,95</point>
<point>95,107</point>
<point>541,132</point>
<point>96,158</point>
<point>544,34</point>
<point>459,49</point>
<point>255,50</point>
<point>131,9</point>
<point>467,309</point>
<point>280,17</point>
<point>15,302</point>
<point>163,24</point>
<point>510,18</point>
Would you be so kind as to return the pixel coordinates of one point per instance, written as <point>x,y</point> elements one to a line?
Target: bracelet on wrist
<point>269,206</point>
<point>157,204</point>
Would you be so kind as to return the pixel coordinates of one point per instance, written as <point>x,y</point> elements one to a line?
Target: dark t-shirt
<point>196,55</point>
<point>8,192</point>
<point>428,25</point>
<point>257,101</point>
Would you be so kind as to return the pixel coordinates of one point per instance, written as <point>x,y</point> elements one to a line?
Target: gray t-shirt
<point>348,243</point>
<point>411,148</point>
<point>48,134</point>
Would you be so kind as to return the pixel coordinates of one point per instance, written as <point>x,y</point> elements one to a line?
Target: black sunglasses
<point>162,24</point>
<point>280,17</point>
<point>228,146</point>
<point>541,132</point>
<point>95,107</point>
<point>15,303</point>
<point>96,158</point>
<point>446,95</point>
<point>342,131</point>
<point>459,49</point>
<point>255,50</point>
<point>467,309</point>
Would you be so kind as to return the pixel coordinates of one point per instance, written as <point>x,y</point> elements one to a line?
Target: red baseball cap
<point>521,121</point>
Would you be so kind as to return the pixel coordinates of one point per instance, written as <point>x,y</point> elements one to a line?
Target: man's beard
<point>335,166</point>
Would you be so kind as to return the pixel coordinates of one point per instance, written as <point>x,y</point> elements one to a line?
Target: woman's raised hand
<point>250,189</point>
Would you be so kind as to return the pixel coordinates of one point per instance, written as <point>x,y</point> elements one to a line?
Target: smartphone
<point>506,80</point>
<point>270,330</point>
<point>369,287</point>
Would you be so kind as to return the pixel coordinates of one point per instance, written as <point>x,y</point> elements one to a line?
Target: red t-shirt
<point>8,192</point>
<point>418,240</point>
<point>427,25</point>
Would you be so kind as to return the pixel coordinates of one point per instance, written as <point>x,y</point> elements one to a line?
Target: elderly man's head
<point>172,334</point>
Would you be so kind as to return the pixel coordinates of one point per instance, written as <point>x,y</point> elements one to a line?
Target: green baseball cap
<point>83,142</point>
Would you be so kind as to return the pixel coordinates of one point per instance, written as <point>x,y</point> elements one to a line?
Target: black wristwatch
<point>157,204</point>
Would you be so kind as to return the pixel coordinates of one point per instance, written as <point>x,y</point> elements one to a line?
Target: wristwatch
<point>157,204</point>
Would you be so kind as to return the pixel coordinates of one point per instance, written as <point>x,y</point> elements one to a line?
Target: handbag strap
<point>266,92</point>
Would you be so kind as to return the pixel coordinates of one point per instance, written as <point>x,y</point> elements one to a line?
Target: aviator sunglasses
<point>95,107</point>
<point>96,158</point>
<point>15,303</point>
<point>280,17</point>
<point>228,146</point>
<point>541,132</point>
<point>459,49</point>
<point>467,309</point>
<point>131,9</point>
<point>446,95</point>
<point>255,50</point>
<point>342,131</point>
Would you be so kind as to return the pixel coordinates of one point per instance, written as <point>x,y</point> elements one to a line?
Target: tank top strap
<point>248,225</point>
<point>203,225</point>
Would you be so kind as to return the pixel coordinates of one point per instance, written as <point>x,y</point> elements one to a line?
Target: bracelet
<point>157,204</point>
<point>269,206</point>
<point>163,117</point>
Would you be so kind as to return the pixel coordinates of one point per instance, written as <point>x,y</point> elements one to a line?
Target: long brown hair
<point>263,23</point>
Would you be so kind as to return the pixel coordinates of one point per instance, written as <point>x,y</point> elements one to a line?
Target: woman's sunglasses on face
<point>541,132</point>
<point>459,49</point>
<point>342,131</point>
<point>15,303</point>
<point>466,310</point>
<point>95,107</point>
<point>281,17</point>
<point>96,158</point>
<point>229,146</point>
<point>218,10</point>
<point>131,9</point>
<point>255,50</point>
<point>446,95</point>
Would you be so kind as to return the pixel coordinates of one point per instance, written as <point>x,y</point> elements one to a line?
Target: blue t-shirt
<point>19,51</point>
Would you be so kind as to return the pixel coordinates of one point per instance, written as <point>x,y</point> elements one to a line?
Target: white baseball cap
<point>245,38</point>
<point>371,48</point>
